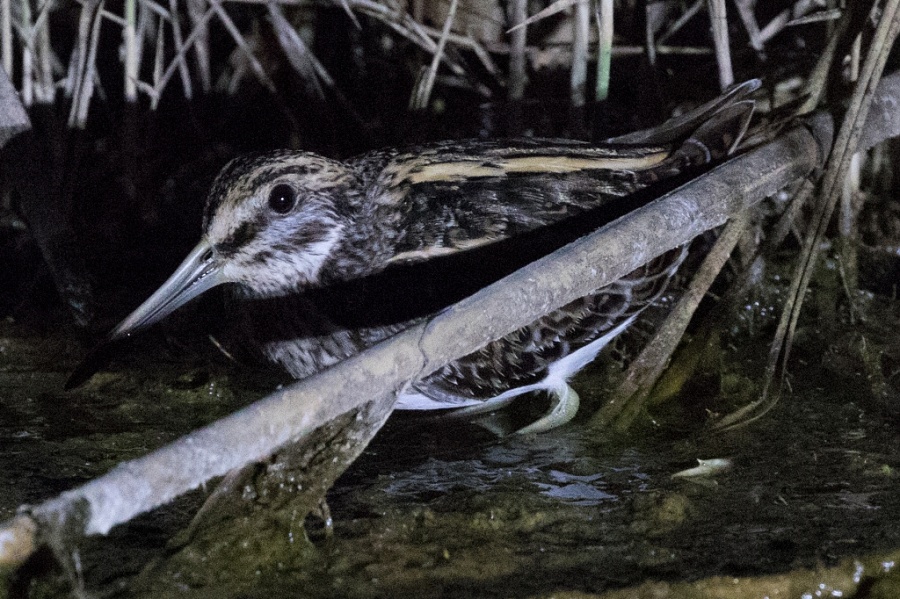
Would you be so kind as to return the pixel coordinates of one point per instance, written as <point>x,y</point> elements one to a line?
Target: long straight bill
<point>198,272</point>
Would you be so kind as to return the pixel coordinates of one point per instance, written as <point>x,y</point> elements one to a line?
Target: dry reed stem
<point>129,41</point>
<point>630,398</point>
<point>817,80</point>
<point>6,41</point>
<point>650,29</point>
<point>143,36</point>
<point>298,54</point>
<point>517,63</point>
<point>142,32</point>
<point>305,62</point>
<point>45,90</point>
<point>581,27</point>
<point>159,55</point>
<point>554,8</point>
<point>242,44</point>
<point>13,120</point>
<point>37,55</point>
<point>85,73</point>
<point>419,101</point>
<point>618,50</point>
<point>200,34</point>
<point>197,33</point>
<point>792,17</point>
<point>849,136</point>
<point>349,12</point>
<point>718,17</point>
<point>605,20</point>
<point>686,16</point>
<point>842,155</point>
<point>27,56</point>
<point>745,11</point>
<point>180,51</point>
<point>411,29</point>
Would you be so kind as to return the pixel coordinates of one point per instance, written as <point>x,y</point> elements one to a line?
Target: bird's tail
<point>710,133</point>
<point>681,127</point>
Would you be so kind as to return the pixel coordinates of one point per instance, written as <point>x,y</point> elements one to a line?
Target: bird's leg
<point>495,422</point>
<point>491,405</point>
<point>323,512</point>
<point>564,403</point>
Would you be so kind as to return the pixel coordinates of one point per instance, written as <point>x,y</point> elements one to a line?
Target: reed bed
<point>175,40</point>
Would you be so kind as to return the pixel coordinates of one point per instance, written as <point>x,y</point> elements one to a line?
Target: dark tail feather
<point>718,137</point>
<point>677,128</point>
<point>711,141</point>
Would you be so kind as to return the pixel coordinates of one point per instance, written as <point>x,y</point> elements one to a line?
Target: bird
<point>285,225</point>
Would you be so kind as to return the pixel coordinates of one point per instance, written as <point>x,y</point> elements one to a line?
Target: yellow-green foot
<point>564,403</point>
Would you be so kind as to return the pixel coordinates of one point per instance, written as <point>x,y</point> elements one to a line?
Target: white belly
<point>558,375</point>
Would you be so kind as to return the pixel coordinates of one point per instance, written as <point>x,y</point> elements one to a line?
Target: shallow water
<point>438,509</point>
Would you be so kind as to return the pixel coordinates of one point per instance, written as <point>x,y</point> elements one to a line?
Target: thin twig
<point>688,14</point>
<point>788,17</point>
<point>180,51</point>
<point>200,40</point>
<point>631,396</point>
<point>243,45</point>
<point>555,7</point>
<point>718,17</point>
<point>421,99</point>
<point>838,164</point>
<point>604,47</point>
<point>86,75</point>
<point>130,44</point>
<point>745,10</point>
<point>198,31</point>
<point>581,28</point>
<point>6,48</point>
<point>517,76</point>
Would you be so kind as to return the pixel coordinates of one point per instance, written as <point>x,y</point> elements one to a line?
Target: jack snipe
<point>284,223</point>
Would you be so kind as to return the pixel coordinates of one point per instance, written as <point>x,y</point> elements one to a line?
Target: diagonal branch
<point>294,413</point>
<point>375,375</point>
<point>855,128</point>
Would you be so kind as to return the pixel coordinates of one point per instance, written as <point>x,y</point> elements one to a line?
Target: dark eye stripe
<point>240,237</point>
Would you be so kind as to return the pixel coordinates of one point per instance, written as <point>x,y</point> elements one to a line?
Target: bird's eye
<point>282,198</point>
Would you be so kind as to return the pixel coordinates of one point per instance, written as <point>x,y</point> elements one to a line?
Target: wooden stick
<point>718,18</point>
<point>294,412</point>
<point>13,118</point>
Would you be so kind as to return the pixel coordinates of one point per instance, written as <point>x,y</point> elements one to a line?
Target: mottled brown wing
<point>524,356</point>
<point>445,217</point>
<point>451,197</point>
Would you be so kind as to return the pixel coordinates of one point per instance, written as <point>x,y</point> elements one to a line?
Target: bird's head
<point>271,222</point>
